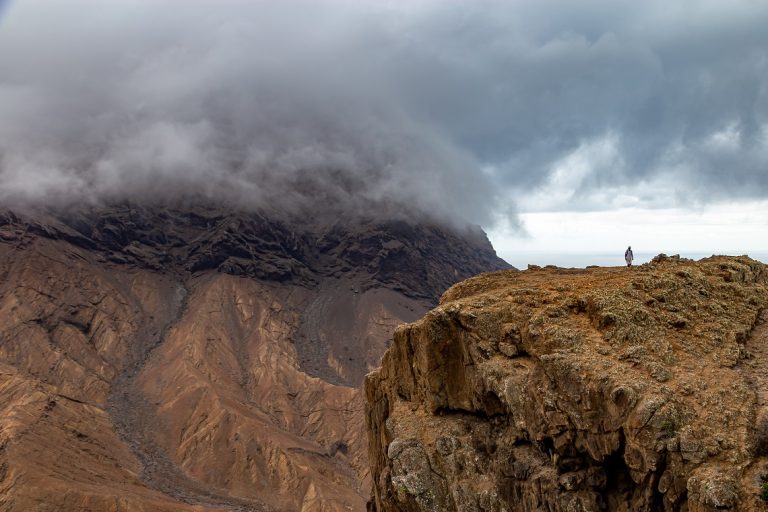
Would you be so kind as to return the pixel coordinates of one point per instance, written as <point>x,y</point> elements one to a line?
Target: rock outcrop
<point>621,389</point>
<point>199,359</point>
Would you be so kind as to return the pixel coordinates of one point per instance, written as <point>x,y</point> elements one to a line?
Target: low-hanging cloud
<point>257,102</point>
<point>462,109</point>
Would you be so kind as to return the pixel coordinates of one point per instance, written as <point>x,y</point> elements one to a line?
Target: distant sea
<point>521,260</point>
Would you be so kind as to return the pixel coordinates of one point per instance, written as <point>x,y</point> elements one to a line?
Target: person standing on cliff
<point>628,256</point>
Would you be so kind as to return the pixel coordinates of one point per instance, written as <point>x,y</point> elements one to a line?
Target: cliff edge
<point>626,389</point>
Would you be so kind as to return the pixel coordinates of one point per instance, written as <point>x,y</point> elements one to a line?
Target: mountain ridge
<point>259,245</point>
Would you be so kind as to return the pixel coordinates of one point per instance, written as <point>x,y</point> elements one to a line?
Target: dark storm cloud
<point>459,108</point>
<point>530,84</point>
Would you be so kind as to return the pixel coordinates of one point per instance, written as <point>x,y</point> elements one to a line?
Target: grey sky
<point>472,110</point>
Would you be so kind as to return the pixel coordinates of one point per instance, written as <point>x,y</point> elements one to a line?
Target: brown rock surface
<point>627,389</point>
<point>156,359</point>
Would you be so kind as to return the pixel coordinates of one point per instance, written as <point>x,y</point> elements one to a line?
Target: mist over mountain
<point>259,105</point>
<point>462,110</point>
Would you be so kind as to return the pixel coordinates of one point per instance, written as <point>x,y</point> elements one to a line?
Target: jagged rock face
<point>418,259</point>
<point>627,389</point>
<point>164,365</point>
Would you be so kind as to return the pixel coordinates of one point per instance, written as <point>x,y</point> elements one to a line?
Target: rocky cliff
<point>621,389</point>
<point>196,358</point>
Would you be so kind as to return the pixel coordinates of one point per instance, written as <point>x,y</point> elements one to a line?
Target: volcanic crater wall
<point>640,389</point>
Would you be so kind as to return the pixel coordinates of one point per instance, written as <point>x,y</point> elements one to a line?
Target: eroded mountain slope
<point>624,389</point>
<point>68,331</point>
<point>165,359</point>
